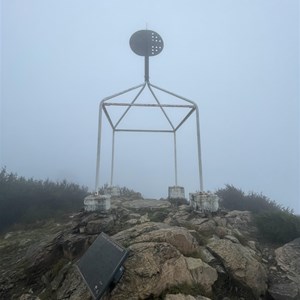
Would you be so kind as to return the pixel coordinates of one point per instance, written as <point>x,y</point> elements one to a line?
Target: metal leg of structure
<point>112,159</point>
<point>98,149</point>
<point>199,149</point>
<point>100,128</point>
<point>175,158</point>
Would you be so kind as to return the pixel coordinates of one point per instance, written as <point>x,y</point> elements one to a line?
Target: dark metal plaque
<point>101,263</point>
<point>146,43</point>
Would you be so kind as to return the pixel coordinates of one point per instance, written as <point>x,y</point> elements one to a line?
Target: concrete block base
<point>97,203</point>
<point>176,192</point>
<point>204,202</point>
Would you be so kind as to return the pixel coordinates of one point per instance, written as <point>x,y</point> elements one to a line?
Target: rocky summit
<point>175,253</point>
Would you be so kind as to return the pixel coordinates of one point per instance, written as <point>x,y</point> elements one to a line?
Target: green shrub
<point>233,198</point>
<point>275,223</point>
<point>278,226</point>
<point>124,192</point>
<point>27,200</point>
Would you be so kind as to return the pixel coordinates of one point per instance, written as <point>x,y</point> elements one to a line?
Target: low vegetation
<point>278,226</point>
<point>275,223</point>
<point>27,200</point>
<point>235,199</point>
<point>124,192</point>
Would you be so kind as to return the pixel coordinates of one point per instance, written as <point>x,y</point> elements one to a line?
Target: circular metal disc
<point>146,43</point>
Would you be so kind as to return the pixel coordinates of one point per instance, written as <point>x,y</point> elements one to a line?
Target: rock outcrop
<point>242,263</point>
<point>154,268</point>
<point>161,258</point>
<point>174,254</point>
<point>285,283</point>
<point>179,237</point>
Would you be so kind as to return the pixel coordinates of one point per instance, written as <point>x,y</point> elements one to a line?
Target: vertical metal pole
<point>98,148</point>
<point>175,157</point>
<point>199,149</point>
<point>112,159</point>
<point>147,68</point>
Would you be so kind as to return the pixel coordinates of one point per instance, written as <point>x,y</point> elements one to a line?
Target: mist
<point>238,60</point>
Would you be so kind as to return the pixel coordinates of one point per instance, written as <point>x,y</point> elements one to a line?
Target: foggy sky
<point>238,60</point>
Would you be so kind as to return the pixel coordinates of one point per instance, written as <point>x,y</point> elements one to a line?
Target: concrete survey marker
<point>101,265</point>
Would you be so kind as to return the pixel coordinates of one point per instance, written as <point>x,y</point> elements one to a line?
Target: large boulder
<point>179,217</point>
<point>73,245</point>
<point>159,260</point>
<point>201,273</point>
<point>205,227</point>
<point>155,267</point>
<point>100,225</point>
<point>242,221</point>
<point>181,238</point>
<point>127,237</point>
<point>287,286</point>
<point>242,264</point>
<point>288,259</point>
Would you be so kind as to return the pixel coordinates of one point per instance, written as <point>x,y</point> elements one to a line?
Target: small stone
<point>132,222</point>
<point>252,245</point>
<point>144,218</point>
<point>232,239</point>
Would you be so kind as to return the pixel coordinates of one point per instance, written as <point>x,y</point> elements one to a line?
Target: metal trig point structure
<point>148,43</point>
